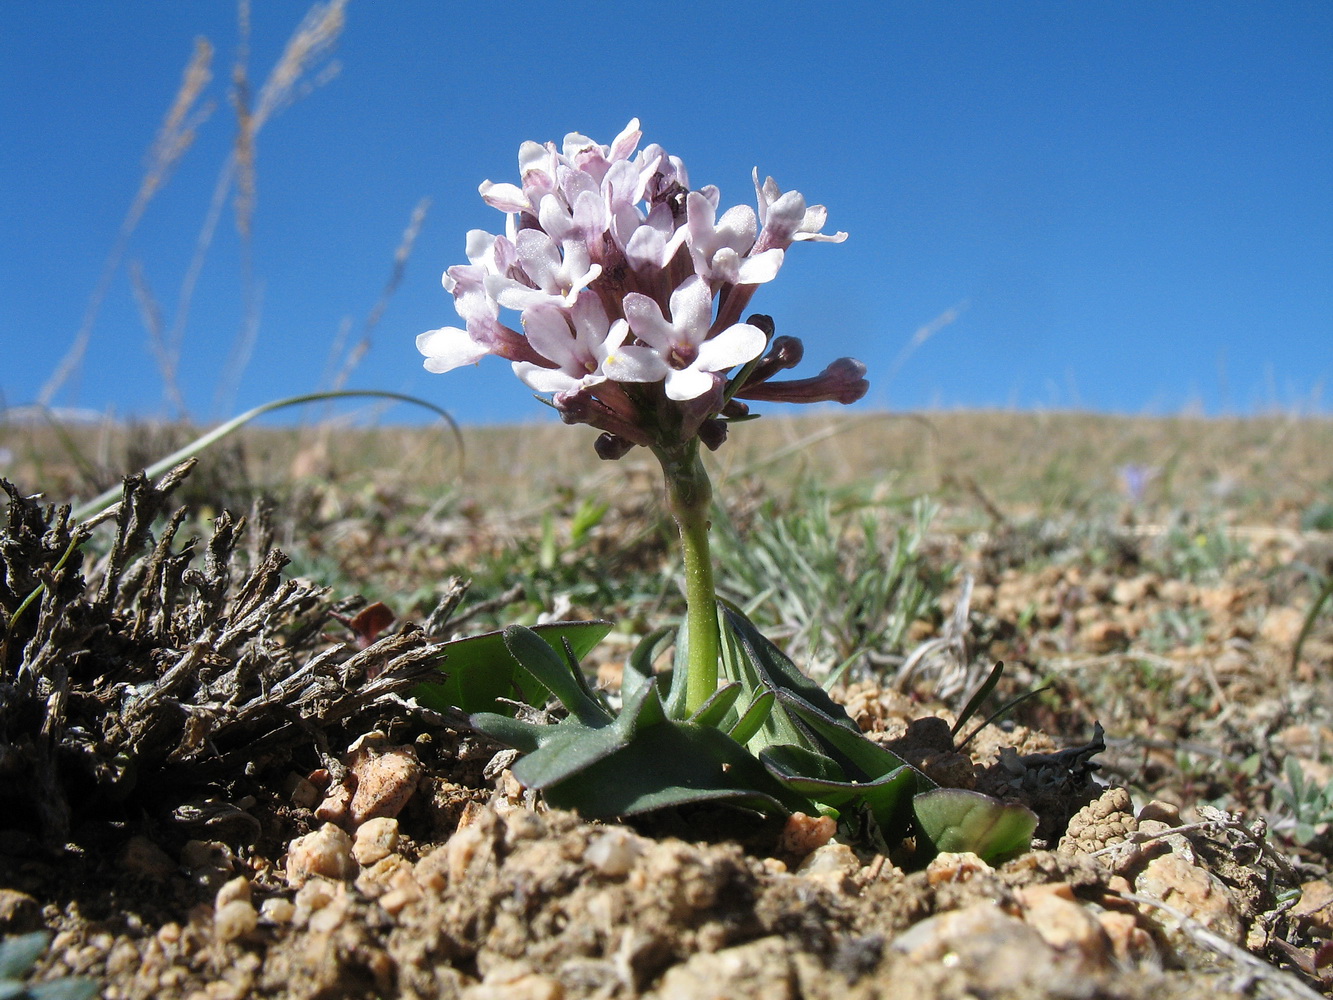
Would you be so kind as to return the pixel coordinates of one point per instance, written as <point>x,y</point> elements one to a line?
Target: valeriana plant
<point>628,286</point>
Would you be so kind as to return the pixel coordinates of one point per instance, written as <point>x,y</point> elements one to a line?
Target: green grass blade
<point>104,500</point>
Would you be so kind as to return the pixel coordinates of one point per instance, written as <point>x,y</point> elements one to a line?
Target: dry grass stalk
<point>173,139</point>
<point>400,258</point>
<point>168,360</point>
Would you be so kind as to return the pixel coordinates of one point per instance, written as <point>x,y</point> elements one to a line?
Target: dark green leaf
<point>479,668</point>
<point>69,988</point>
<point>556,673</point>
<point>639,667</point>
<point>18,954</point>
<point>714,711</point>
<point>978,697</point>
<point>673,764</point>
<point>752,719</point>
<point>888,798</point>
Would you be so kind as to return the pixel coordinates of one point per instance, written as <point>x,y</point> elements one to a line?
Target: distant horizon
<point>1115,208</point>
<point>29,416</point>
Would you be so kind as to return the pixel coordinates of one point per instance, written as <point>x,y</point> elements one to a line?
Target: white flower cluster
<point>622,276</point>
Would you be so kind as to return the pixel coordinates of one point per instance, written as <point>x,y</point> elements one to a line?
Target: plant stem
<point>689,496</point>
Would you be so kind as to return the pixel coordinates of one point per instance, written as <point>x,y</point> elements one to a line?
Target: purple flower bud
<point>609,447</point>
<point>713,433</point>
<point>843,381</point>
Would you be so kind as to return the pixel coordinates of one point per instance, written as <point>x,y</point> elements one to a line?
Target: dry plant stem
<point>689,496</point>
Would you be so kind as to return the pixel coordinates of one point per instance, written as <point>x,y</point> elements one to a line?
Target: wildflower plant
<point>629,288</point>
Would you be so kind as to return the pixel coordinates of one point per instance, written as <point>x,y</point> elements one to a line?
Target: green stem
<point>689,496</point>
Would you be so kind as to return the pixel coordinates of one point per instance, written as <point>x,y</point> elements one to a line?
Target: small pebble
<point>802,834</point>
<point>277,910</point>
<point>142,857</point>
<point>234,920</point>
<point>375,840</point>
<point>384,783</point>
<point>326,852</point>
<point>614,851</point>
<point>238,889</point>
<point>954,867</point>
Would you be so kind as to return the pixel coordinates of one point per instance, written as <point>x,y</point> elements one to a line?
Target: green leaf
<point>639,667</point>
<point>559,674</point>
<point>69,988</point>
<point>753,718</point>
<point>574,746</point>
<point>758,666</point>
<point>479,668</point>
<point>955,819</point>
<point>868,758</point>
<point>714,711</point>
<point>673,764</point>
<point>801,765</point>
<point>819,778</point>
<point>978,697</point>
<point>524,736</point>
<point>18,954</point>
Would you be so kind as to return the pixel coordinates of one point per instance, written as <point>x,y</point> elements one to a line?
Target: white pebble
<point>614,852</point>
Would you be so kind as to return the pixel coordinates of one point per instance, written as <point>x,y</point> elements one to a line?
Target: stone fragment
<point>277,910</point>
<point>336,804</point>
<point>19,912</point>
<point>1314,910</point>
<point>326,852</point>
<point>1194,892</point>
<point>1105,637</point>
<point>1129,942</point>
<point>375,839</point>
<point>955,867</point>
<point>802,834</point>
<point>997,951</point>
<point>761,968</point>
<point>614,851</point>
<point>234,920</point>
<point>384,783</point>
<point>238,889</point>
<point>1052,911</point>
<point>832,865</point>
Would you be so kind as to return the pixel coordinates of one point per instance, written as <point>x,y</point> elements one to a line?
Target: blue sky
<point>1132,203</point>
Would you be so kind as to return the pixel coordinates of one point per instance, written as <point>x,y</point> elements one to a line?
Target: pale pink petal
<point>645,316</point>
<point>449,348</point>
<point>691,310</point>
<point>548,332</point>
<point>635,364</point>
<point>622,146</point>
<point>688,383</point>
<point>505,197</point>
<point>733,346</point>
<point>760,268</point>
<point>540,379</point>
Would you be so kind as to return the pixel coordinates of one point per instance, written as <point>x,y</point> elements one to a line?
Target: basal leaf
<point>551,669</point>
<point>714,711</point>
<point>752,719</point>
<point>672,764</point>
<point>955,819</point>
<point>819,778</point>
<point>479,669</point>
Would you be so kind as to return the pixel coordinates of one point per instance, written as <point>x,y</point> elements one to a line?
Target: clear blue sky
<point>1133,200</point>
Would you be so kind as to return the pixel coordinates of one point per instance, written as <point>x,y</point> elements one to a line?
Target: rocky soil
<point>233,800</point>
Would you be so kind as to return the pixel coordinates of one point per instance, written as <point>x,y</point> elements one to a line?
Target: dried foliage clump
<point>151,670</point>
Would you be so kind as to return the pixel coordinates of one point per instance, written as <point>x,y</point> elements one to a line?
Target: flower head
<point>629,286</point>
